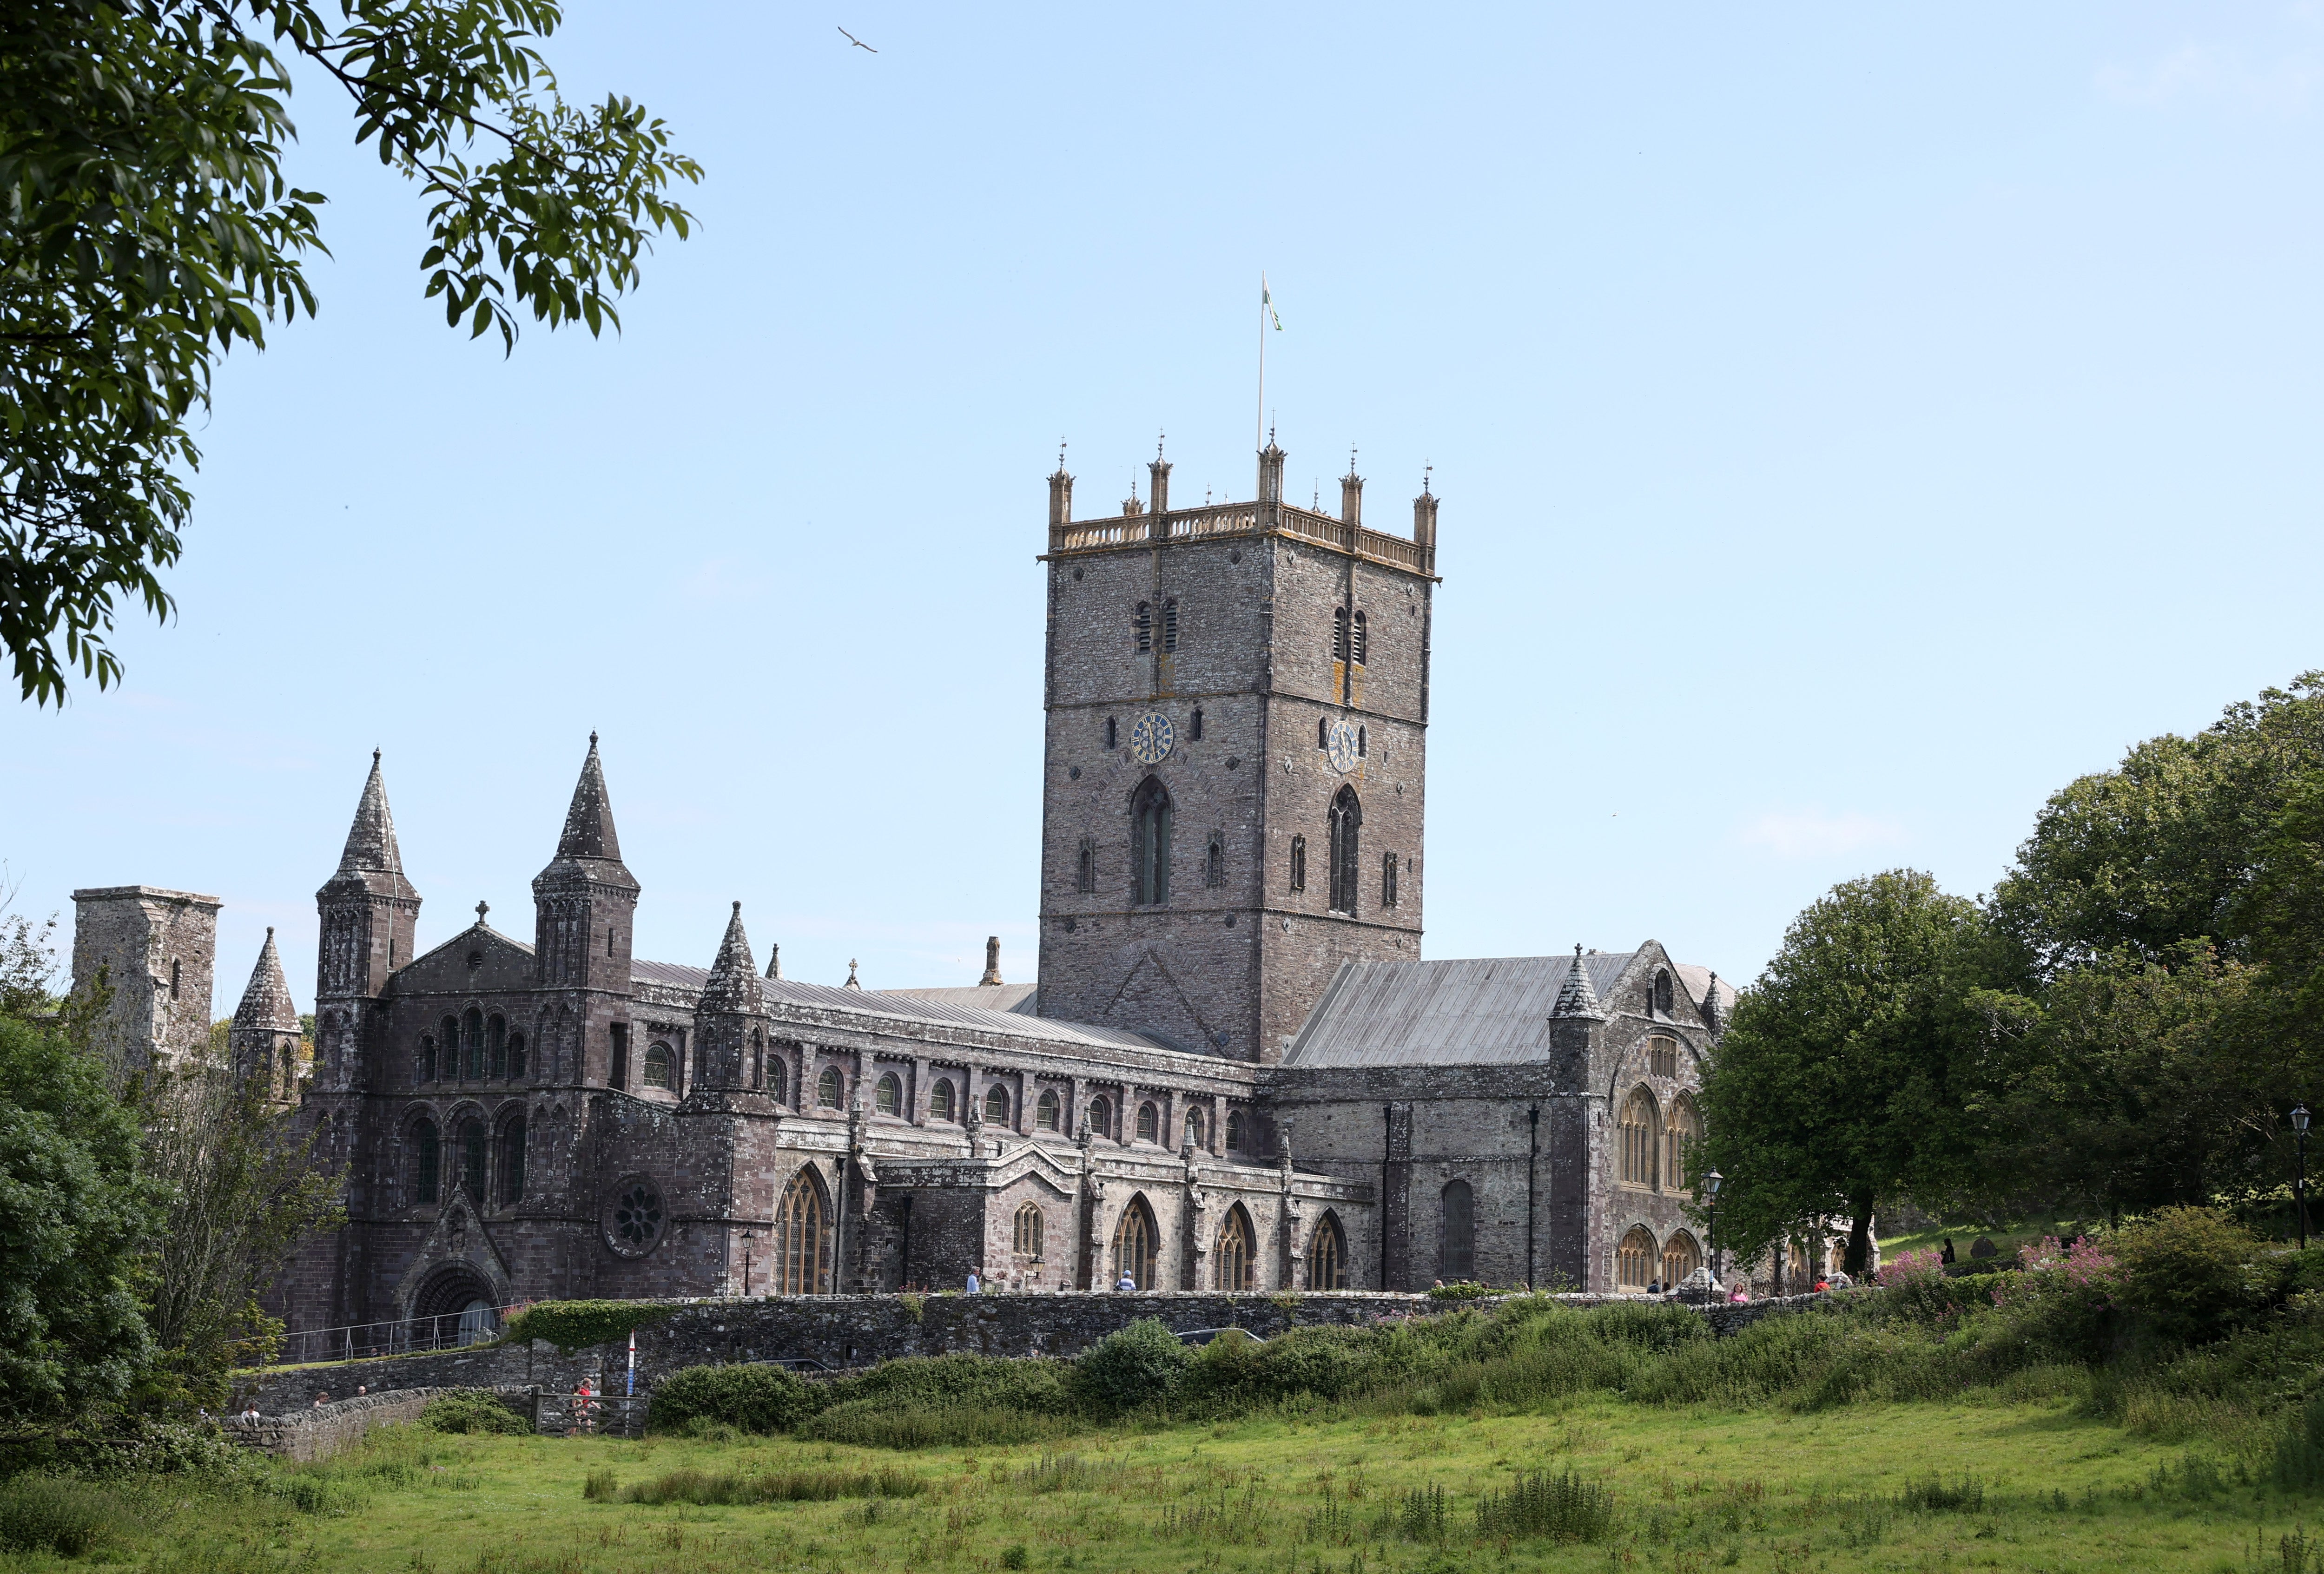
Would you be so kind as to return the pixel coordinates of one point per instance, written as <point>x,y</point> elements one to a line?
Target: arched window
<point>889,1095</point>
<point>1388,880</point>
<point>496,1046</point>
<point>1100,1116</point>
<point>1681,1257</point>
<point>827,1089</point>
<point>1233,1253</point>
<point>1346,829</point>
<point>1361,640</point>
<point>779,1079</point>
<point>1149,843</point>
<point>1149,1123</point>
<point>657,1064</point>
<point>473,1158</point>
<point>1322,732</point>
<point>1663,992</point>
<point>1661,1057</point>
<point>516,1056</point>
<point>758,1059</point>
<point>940,1100</point>
<point>1134,1241</point>
<point>1194,1127</point>
<point>176,967</point>
<point>1214,861</point>
<point>1028,1232</point>
<point>1327,1256</point>
<point>1170,625</point>
<point>1113,737</point>
<point>1634,1260</point>
<point>473,1037</point>
<point>447,1037</point>
<point>513,1160</point>
<point>1339,633</point>
<point>1085,866</point>
<point>996,1105</point>
<point>428,1161</point>
<point>1142,628</point>
<point>1047,1113</point>
<point>798,1250</point>
<point>427,1057</point>
<point>1638,1125</point>
<point>1237,1129</point>
<point>1299,864</point>
<point>1684,1130</point>
<point>1194,726</point>
<point>1363,744</point>
<point>1458,1246</point>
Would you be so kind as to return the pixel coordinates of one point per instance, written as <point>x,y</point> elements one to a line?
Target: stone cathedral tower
<point>1233,803</point>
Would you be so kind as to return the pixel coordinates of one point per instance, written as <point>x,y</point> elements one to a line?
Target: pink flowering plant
<point>2062,1303</point>
<point>1921,1266</point>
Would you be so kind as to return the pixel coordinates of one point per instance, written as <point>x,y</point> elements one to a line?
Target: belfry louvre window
<point>1299,864</point>
<point>1149,843</point>
<point>798,1246</point>
<point>1085,866</point>
<point>1142,627</point>
<point>1358,641</point>
<point>1028,1232</point>
<point>1170,625</point>
<point>1346,827</point>
<point>1340,634</point>
<point>1388,880</point>
<point>1637,1131</point>
<point>1661,1057</point>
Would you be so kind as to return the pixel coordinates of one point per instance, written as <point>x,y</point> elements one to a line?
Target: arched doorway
<point>1134,1241</point>
<point>456,1305</point>
<point>799,1245</point>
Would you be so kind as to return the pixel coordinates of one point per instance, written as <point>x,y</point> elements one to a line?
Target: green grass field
<point>1694,1489</point>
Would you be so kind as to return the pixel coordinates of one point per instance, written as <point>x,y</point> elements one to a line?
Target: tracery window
<point>513,1160</point>
<point>1149,843</point>
<point>798,1238</point>
<point>827,1088</point>
<point>1681,1257</point>
<point>1299,864</point>
<point>1345,830</point>
<point>428,1160</point>
<point>658,1063</point>
<point>1134,1241</point>
<point>1661,1057</point>
<point>1459,1245</point>
<point>1149,1123</point>
<point>1637,1134</point>
<point>889,1095</point>
<point>940,1100</point>
<point>1028,1232</point>
<point>1237,1128</point>
<point>1047,1112</point>
<point>1684,1131</point>
<point>1327,1256</point>
<point>996,1105</point>
<point>1634,1260</point>
<point>473,1155</point>
<point>1233,1252</point>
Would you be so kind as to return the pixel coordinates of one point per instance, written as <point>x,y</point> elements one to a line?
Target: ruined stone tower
<point>157,950</point>
<point>1238,705</point>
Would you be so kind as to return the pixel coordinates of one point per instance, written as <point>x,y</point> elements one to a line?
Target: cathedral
<point>1235,1072</point>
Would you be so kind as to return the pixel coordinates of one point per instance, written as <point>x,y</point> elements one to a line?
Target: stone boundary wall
<point>860,1330</point>
<point>320,1430</point>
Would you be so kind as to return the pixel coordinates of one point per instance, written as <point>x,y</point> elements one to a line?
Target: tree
<point>1850,1071</point>
<point>147,230</point>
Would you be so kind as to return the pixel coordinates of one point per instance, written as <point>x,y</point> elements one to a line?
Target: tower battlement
<point>1130,531</point>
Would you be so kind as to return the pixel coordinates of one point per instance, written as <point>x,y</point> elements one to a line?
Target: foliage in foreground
<point>473,1410</point>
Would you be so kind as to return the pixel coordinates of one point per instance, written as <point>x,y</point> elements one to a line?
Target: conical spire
<point>371,840</point>
<point>589,823</point>
<point>775,961</point>
<point>1575,997</point>
<point>734,986</point>
<point>266,1004</point>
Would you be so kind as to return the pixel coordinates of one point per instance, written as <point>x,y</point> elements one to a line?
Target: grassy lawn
<point>2007,1239</point>
<point>1695,1489</point>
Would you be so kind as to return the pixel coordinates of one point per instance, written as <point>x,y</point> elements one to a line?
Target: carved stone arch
<point>1327,1254</point>
<point>1235,1257</point>
<point>1636,1258</point>
<point>1639,1132</point>
<point>799,1255</point>
<point>1136,1248</point>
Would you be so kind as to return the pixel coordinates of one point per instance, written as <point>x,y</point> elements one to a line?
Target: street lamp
<point>1711,1184</point>
<point>747,1238</point>
<point>2300,1184</point>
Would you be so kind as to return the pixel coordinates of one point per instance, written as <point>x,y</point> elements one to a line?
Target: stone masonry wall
<point>159,950</point>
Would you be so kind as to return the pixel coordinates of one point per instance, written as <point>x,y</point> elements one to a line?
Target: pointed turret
<point>1576,997</point>
<point>734,983</point>
<point>371,840</point>
<point>584,900</point>
<point>730,1020</point>
<point>589,821</point>
<point>262,1043</point>
<point>369,915</point>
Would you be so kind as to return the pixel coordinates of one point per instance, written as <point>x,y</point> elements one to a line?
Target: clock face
<point>1151,737</point>
<point>1341,747</point>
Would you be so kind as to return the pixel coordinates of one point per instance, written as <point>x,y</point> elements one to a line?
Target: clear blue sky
<point>1852,423</point>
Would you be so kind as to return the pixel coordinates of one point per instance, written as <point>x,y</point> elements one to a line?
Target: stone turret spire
<point>262,1043</point>
<point>1575,997</point>
<point>991,961</point>
<point>733,985</point>
<point>775,961</point>
<point>267,1002</point>
<point>371,840</point>
<point>589,821</point>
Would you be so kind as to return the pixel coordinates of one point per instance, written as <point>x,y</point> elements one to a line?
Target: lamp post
<point>748,1237</point>
<point>1711,1184</point>
<point>2299,1183</point>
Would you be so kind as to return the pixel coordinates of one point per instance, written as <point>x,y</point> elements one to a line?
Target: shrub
<point>1129,1369</point>
<point>1911,1267</point>
<point>575,1325</point>
<point>2300,1452</point>
<point>602,1485</point>
<point>875,1423</point>
<point>2192,1272</point>
<point>473,1410</point>
<point>942,1381</point>
<point>731,1487</point>
<point>1966,1496</point>
<point>750,1398</point>
<point>48,1513</point>
<point>1564,1509</point>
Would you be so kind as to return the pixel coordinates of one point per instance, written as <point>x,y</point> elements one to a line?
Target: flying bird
<point>858,43</point>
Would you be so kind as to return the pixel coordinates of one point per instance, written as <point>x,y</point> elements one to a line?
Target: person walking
<point>1125,1285</point>
<point>976,1284</point>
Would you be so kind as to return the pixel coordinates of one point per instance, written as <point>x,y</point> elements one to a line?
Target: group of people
<point>1017,1281</point>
